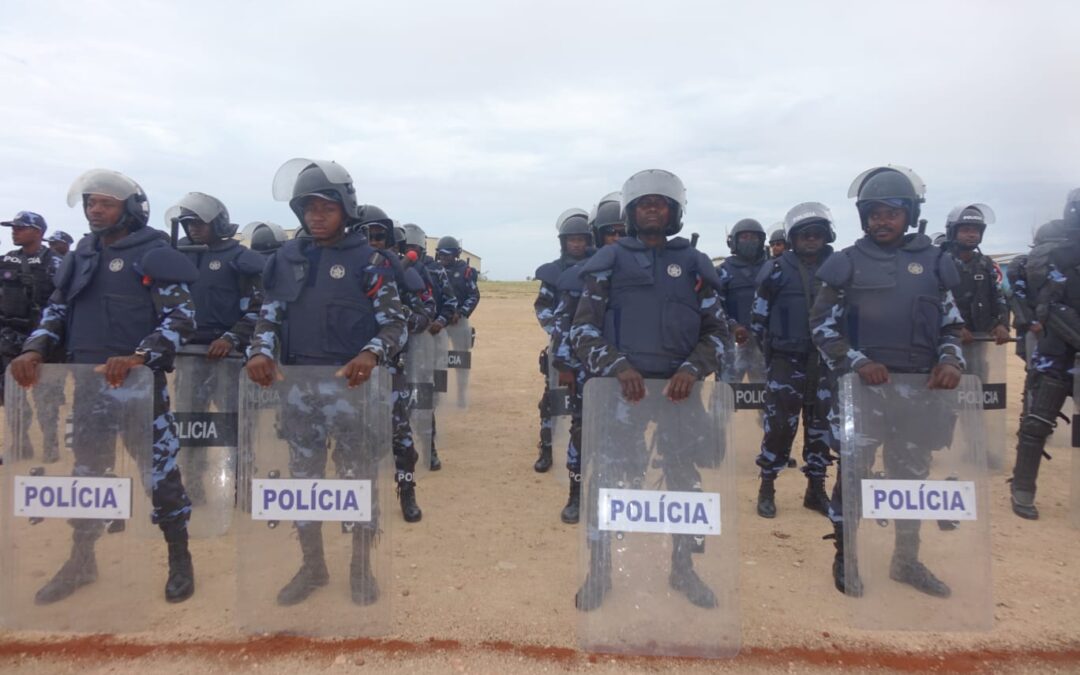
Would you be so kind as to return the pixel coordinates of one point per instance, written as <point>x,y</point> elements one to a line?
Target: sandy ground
<point>485,582</point>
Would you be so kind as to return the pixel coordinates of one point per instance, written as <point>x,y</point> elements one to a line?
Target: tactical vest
<point>653,316</point>
<point>975,295</point>
<point>221,285</point>
<point>110,309</point>
<point>789,314</point>
<point>459,273</point>
<point>892,304</point>
<point>1066,259</point>
<point>440,294</point>
<point>739,294</point>
<point>329,318</point>
<point>25,287</point>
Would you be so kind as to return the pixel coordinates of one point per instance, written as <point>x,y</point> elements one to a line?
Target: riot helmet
<point>300,178</point>
<point>606,215</point>
<point>654,182</point>
<point>804,215</point>
<point>1072,211</point>
<point>938,238</point>
<point>371,215</point>
<point>571,222</point>
<point>1049,232</point>
<point>747,250</point>
<point>979,215</point>
<point>198,207</point>
<point>264,236</point>
<point>414,236</point>
<point>892,185</point>
<point>118,186</point>
<point>777,235</point>
<point>448,246</point>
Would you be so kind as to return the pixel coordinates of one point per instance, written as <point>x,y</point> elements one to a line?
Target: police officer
<point>979,297</point>
<point>738,275</point>
<point>1027,274</point>
<point>797,382</point>
<point>575,238</point>
<point>462,276</point>
<point>1050,379</point>
<point>265,237</point>
<point>418,305</point>
<point>660,320</point>
<point>123,300</point>
<point>26,282</point>
<point>446,310</point>
<point>333,266</point>
<point>227,299</point>
<point>607,226</point>
<point>60,242</point>
<point>777,241</point>
<point>863,321</point>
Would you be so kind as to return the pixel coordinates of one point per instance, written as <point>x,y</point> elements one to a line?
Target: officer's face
<point>376,236</point>
<point>576,245</point>
<point>444,258</point>
<point>887,224</point>
<point>103,211</point>
<point>777,248</point>
<point>810,240</point>
<point>613,233</point>
<point>22,235</point>
<point>198,232</point>
<point>968,235</point>
<point>651,213</point>
<point>324,218</point>
<point>59,247</point>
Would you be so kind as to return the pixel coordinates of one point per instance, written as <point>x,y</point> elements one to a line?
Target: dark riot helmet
<point>196,206</point>
<point>414,236</point>
<point>654,182</point>
<point>264,236</point>
<point>606,214</point>
<point>938,238</point>
<point>373,215</point>
<point>448,245</point>
<point>807,214</point>
<point>399,234</point>
<point>894,185</point>
<point>979,215</point>
<point>300,179</point>
<point>777,234</point>
<point>1071,218</point>
<point>118,186</point>
<point>1050,232</point>
<point>572,221</point>
<point>745,225</point>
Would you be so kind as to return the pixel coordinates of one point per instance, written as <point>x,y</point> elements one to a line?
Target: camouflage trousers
<point>405,454</point>
<point>788,396</point>
<point>546,423</point>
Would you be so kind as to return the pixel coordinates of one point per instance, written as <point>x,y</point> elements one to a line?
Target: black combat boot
<point>365,590</point>
<point>436,463</point>
<point>543,463</point>
<point>406,491</point>
<point>79,570</point>
<point>181,583</point>
<point>1029,454</point>
<point>572,510</point>
<point>312,573</point>
<point>683,578</point>
<point>766,497</point>
<point>816,499</point>
<point>905,567</point>
<point>598,580</point>
<point>847,584</point>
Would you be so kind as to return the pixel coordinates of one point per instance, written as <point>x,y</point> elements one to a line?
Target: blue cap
<point>60,235</point>
<point>27,219</point>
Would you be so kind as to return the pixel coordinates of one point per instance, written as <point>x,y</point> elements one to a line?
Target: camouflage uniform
<point>447,305</point>
<point>419,309</point>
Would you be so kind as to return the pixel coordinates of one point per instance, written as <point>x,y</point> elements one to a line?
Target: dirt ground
<point>485,583</point>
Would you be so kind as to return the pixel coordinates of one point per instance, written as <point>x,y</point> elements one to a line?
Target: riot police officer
<point>123,300</point>
<point>1050,379</point>
<point>663,321</point>
<point>265,237</point>
<point>777,241</point>
<point>60,242</point>
<point>608,226</point>
<point>797,382</point>
<point>447,306</point>
<point>979,296</point>
<point>332,267</point>
<point>462,276</point>
<point>418,305</point>
<point>738,276</point>
<point>575,238</point>
<point>886,306</point>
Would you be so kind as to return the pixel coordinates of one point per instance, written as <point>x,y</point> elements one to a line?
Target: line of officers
<point>128,295</point>
<point>896,301</point>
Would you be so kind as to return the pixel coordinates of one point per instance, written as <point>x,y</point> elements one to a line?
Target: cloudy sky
<point>486,120</point>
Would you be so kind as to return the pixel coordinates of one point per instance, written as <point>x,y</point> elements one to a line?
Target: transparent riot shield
<point>1074,456</point>
<point>743,367</point>
<point>559,408</point>
<point>916,508</point>
<point>659,550</point>
<point>458,365</point>
<point>72,450</point>
<point>320,471</point>
<point>420,377</point>
<point>986,361</point>
<point>204,402</point>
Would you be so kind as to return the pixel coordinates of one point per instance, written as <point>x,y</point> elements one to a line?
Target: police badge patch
<point>337,271</point>
<point>116,264</point>
<point>215,265</point>
<point>674,270</point>
<point>915,268</point>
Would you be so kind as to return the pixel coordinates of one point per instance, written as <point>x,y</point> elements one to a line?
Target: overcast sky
<point>486,120</point>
